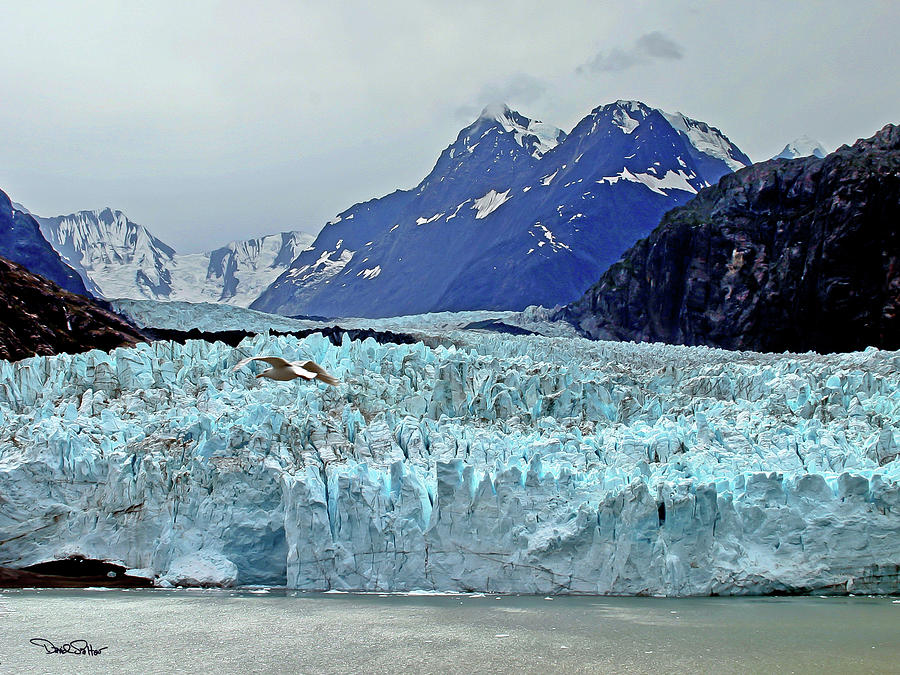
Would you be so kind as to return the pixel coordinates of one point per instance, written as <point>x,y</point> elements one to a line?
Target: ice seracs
<point>284,371</point>
<point>475,462</point>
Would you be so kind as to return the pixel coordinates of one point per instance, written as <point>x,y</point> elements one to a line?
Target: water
<point>153,631</point>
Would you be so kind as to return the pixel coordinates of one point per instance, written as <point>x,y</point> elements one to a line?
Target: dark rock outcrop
<point>22,242</point>
<point>791,255</point>
<point>73,572</point>
<point>37,317</point>
<point>498,326</point>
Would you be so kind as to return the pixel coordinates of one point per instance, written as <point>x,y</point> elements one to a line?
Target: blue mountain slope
<point>514,213</point>
<point>22,242</point>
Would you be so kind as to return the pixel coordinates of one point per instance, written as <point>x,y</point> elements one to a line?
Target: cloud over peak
<point>516,89</point>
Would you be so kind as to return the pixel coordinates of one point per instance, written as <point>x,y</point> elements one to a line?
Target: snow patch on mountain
<point>456,211</point>
<point>486,205</point>
<point>533,134</point>
<point>546,180</point>
<point>624,121</point>
<point>370,273</point>
<point>707,139</point>
<point>424,221</point>
<point>673,180</point>
<point>555,244</point>
<point>324,269</point>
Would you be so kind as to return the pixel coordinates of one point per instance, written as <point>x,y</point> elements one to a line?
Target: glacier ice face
<point>211,318</point>
<point>526,464</point>
<point>203,568</point>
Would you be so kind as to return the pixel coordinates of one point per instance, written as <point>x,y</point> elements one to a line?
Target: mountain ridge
<point>461,239</point>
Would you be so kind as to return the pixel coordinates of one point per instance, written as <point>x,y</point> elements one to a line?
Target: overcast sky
<point>212,121</point>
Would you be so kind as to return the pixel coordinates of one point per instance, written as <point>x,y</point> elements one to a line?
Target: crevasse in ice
<point>509,464</point>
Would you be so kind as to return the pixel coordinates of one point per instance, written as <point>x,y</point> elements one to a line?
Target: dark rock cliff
<point>37,317</point>
<point>794,255</point>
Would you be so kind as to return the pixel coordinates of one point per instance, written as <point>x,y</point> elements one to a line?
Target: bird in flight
<point>283,371</point>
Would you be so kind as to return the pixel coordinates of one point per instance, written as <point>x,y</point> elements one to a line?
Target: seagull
<point>285,370</point>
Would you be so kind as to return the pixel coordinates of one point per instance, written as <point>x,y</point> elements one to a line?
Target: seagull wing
<point>320,372</point>
<point>299,371</point>
<point>275,361</point>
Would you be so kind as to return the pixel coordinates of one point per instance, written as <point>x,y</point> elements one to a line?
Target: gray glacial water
<point>152,631</point>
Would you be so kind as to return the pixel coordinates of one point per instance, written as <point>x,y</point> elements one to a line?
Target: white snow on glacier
<point>526,464</point>
<point>204,316</point>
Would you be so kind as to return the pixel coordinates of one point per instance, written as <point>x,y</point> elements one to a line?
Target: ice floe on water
<point>499,464</point>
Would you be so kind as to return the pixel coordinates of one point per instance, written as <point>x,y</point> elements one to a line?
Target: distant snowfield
<point>505,464</point>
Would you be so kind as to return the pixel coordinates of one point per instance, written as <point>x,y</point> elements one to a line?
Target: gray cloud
<point>659,46</point>
<point>211,121</point>
<point>646,48</point>
<point>521,87</point>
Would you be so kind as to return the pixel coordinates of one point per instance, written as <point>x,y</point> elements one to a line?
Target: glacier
<point>210,317</point>
<point>487,462</point>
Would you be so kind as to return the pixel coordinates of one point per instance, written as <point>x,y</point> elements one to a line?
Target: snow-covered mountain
<point>802,147</point>
<point>117,258</point>
<point>514,213</point>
